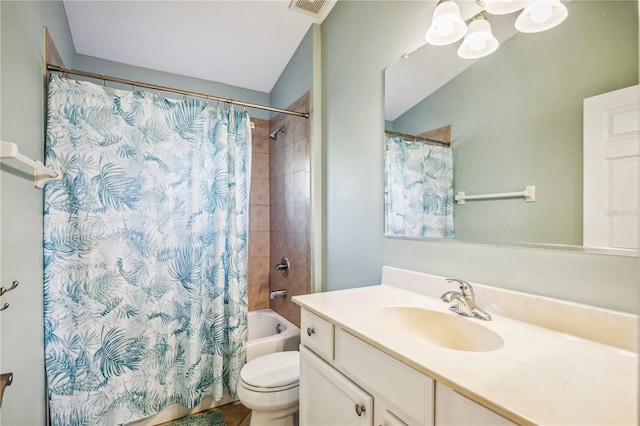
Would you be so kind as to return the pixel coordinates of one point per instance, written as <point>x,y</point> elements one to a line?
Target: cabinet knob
<point>359,409</point>
<point>310,331</point>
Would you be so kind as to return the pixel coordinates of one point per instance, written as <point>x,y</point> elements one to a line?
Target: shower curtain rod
<point>55,68</point>
<point>417,138</point>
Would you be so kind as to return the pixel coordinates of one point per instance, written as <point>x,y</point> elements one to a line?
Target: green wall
<point>517,120</point>
<point>116,69</point>
<point>360,39</point>
<point>297,77</point>
<point>21,116</point>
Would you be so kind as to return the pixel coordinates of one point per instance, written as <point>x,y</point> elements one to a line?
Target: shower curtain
<point>418,189</point>
<point>145,252</point>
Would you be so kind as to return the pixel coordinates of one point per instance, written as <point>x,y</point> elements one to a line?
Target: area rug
<point>207,418</point>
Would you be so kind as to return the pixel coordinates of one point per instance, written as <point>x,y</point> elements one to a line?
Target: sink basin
<point>443,329</point>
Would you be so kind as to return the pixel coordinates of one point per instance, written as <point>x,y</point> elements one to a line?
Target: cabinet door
<point>329,398</point>
<point>396,387</point>
<point>390,419</point>
<point>453,408</point>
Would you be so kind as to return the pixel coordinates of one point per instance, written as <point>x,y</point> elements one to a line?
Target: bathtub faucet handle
<point>283,266</point>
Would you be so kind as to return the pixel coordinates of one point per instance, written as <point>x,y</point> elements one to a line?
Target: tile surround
<point>259,218</point>
<point>289,160</point>
<point>279,211</point>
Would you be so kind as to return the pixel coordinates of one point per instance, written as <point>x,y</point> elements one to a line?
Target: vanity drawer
<point>453,408</point>
<point>317,335</point>
<point>404,387</point>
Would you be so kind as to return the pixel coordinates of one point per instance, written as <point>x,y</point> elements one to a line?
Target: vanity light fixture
<point>479,40</point>
<point>447,26</point>
<point>541,15</point>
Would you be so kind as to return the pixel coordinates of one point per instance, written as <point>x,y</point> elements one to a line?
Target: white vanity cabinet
<point>346,381</point>
<point>327,397</point>
<point>395,342</point>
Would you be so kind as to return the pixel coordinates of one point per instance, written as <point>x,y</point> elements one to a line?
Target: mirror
<point>516,120</point>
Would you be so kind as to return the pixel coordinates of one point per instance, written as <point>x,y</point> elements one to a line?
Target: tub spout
<point>278,294</point>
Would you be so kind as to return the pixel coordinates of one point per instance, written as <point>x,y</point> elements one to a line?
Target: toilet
<point>269,387</point>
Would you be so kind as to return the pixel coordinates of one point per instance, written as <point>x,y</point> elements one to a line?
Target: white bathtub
<point>264,337</point>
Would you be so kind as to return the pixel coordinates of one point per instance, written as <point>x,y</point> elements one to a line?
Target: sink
<point>443,329</point>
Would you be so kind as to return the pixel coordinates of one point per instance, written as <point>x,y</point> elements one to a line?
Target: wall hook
<point>4,290</point>
<point>5,306</point>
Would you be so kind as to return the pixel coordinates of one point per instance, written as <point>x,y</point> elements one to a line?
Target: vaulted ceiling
<point>241,43</point>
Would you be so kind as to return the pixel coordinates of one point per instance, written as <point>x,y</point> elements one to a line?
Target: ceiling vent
<point>317,9</point>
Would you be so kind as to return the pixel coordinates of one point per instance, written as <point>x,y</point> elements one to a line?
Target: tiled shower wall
<point>259,222</point>
<point>289,176</point>
<point>279,211</point>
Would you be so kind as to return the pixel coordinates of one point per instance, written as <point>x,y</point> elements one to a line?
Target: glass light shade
<point>479,40</point>
<point>504,7</point>
<point>541,15</point>
<point>446,27</point>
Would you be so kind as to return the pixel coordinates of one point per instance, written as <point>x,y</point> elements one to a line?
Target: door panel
<point>611,169</point>
<point>329,398</point>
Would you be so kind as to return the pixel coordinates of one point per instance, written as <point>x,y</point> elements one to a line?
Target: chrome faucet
<point>464,302</point>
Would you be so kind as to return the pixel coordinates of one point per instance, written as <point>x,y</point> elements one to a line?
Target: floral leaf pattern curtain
<point>145,251</point>
<point>418,189</point>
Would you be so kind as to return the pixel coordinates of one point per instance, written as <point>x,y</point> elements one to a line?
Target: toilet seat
<point>270,389</point>
<point>272,373</point>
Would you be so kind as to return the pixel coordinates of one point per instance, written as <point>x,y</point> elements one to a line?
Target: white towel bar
<point>529,195</point>
<point>41,173</point>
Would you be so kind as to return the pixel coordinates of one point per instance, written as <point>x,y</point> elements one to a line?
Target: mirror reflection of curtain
<point>418,189</point>
<point>145,252</point>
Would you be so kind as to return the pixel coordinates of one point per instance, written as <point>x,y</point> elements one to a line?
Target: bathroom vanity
<point>394,354</point>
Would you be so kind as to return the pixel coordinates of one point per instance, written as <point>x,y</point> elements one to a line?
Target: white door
<point>329,398</point>
<point>611,169</point>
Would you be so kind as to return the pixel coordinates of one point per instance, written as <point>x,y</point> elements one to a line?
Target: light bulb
<point>541,12</point>
<point>541,15</point>
<point>479,41</point>
<point>444,28</point>
<point>476,44</point>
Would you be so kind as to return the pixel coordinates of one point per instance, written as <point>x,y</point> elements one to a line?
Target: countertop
<point>539,376</point>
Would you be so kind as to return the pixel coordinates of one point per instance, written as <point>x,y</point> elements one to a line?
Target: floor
<point>235,414</point>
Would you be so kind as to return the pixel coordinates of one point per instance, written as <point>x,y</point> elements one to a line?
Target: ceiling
<point>241,43</point>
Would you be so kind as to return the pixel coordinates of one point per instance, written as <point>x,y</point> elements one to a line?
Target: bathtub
<point>269,332</point>
<point>263,339</point>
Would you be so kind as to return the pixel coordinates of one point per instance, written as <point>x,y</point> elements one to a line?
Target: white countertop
<point>539,376</point>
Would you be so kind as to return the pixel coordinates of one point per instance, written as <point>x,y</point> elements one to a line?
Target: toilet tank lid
<point>273,370</point>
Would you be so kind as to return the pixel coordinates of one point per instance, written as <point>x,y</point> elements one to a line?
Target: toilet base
<point>285,417</point>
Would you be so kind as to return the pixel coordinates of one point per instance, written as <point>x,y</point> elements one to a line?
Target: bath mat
<point>208,418</point>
